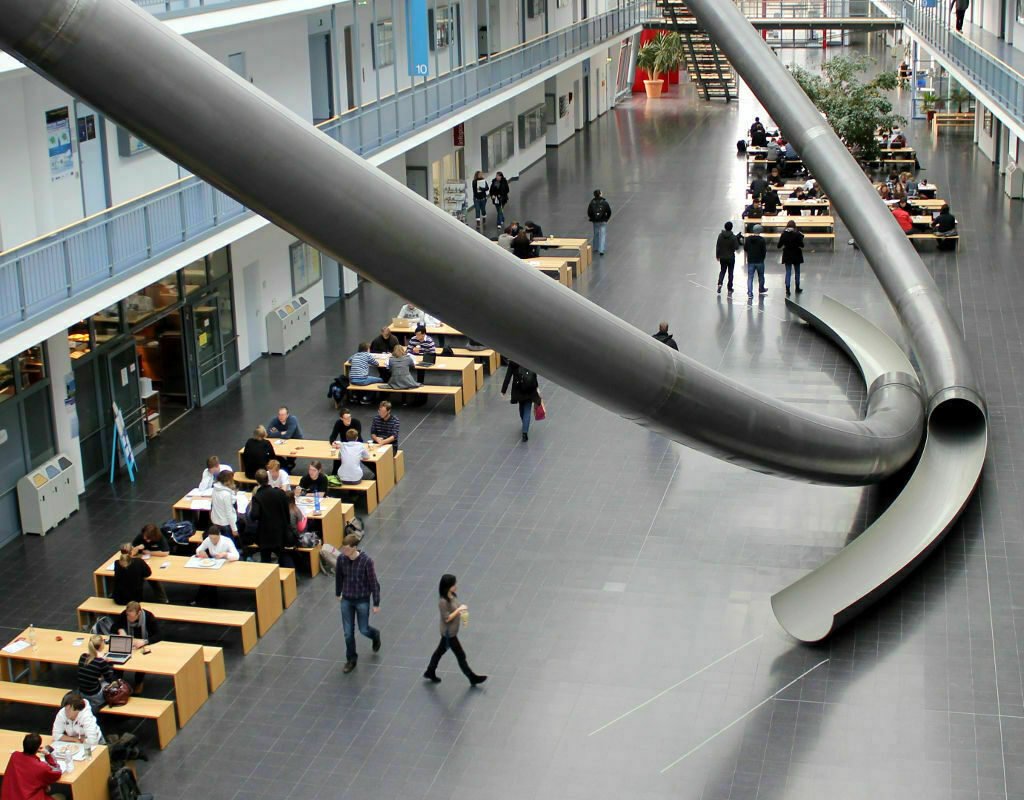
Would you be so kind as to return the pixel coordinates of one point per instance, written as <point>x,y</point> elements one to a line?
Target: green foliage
<point>960,96</point>
<point>930,101</point>
<point>855,108</point>
<point>661,55</point>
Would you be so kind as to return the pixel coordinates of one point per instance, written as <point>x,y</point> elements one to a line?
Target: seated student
<point>257,452</point>
<point>522,245</point>
<point>775,178</point>
<point>213,466</point>
<point>351,468</point>
<point>315,479</point>
<point>150,542</point>
<point>754,210</point>
<point>363,369</point>
<point>420,343</point>
<point>401,365</point>
<point>385,342</point>
<point>94,672</point>
<point>771,203</point>
<point>297,522</point>
<point>772,152</point>
<point>276,476</point>
<point>75,721</point>
<point>910,208</point>
<point>898,141</point>
<point>790,152</point>
<point>27,777</point>
<point>758,135</point>
<point>410,312</point>
<point>138,623</point>
<point>385,426</point>
<point>533,229</point>
<point>758,186</point>
<point>220,547</point>
<point>285,425</point>
<point>892,179</point>
<point>130,575</point>
<point>909,183</point>
<point>339,433</point>
<point>903,218</point>
<point>944,225</point>
<point>885,192</point>
<point>506,236</point>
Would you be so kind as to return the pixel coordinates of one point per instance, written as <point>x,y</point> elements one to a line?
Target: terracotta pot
<point>654,89</point>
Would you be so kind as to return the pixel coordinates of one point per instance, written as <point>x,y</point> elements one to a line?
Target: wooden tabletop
<point>171,569</point>
<point>185,504</point>
<point>560,241</point>
<point>434,330</point>
<point>88,781</point>
<point>822,221</point>
<point>323,450</point>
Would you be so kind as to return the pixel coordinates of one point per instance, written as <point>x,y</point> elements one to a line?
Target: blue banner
<point>416,34</point>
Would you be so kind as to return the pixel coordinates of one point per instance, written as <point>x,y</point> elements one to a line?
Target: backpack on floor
<point>741,146</point>
<point>355,527</point>
<point>336,391</point>
<point>329,555</point>
<point>308,539</point>
<point>123,786</point>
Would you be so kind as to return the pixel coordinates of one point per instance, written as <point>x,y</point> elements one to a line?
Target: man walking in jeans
<point>599,212</point>
<point>756,249</point>
<point>356,584</point>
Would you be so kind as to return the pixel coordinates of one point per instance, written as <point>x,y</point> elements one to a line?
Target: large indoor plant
<point>660,56</point>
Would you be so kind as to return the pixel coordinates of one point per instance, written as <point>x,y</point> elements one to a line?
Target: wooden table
<point>183,663</point>
<point>264,580</point>
<point>464,367</point>
<point>558,266</point>
<point>382,457</point>
<point>812,205</point>
<point>88,781</point>
<point>333,515</point>
<point>801,222</point>
<point>581,246</point>
<point>930,203</point>
<point>440,329</point>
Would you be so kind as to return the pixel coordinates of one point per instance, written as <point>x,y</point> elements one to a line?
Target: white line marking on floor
<point>663,692</point>
<point>739,719</point>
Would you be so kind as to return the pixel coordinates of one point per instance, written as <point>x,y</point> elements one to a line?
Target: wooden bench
<point>368,489</point>
<point>454,392</point>
<point>935,238</point>
<point>830,237</point>
<point>245,621</point>
<point>399,465</point>
<point>160,711</point>
<point>953,119</point>
<point>213,657</point>
<point>490,358</point>
<point>289,587</point>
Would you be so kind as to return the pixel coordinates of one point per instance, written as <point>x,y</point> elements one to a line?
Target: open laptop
<point>120,649</point>
<point>428,359</point>
<point>400,324</point>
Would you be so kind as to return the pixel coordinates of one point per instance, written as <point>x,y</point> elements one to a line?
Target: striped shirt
<point>425,345</point>
<point>385,428</point>
<point>359,367</point>
<point>92,674</point>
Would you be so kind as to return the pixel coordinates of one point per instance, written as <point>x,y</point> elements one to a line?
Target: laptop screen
<point>120,645</point>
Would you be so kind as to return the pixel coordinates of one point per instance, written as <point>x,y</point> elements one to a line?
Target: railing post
<point>108,235</point>
<point>149,231</point>
<point>67,264</point>
<point>19,269</point>
<point>181,210</point>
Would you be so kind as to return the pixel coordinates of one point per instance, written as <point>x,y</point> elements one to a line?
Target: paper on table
<point>16,646</point>
<point>205,563</point>
<point>242,502</point>
<point>200,493</point>
<point>201,503</point>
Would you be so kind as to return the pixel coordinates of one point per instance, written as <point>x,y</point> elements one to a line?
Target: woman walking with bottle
<point>453,615</point>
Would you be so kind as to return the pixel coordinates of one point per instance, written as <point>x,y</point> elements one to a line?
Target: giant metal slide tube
<point>194,110</point>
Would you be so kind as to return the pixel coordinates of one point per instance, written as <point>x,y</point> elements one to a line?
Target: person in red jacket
<point>26,776</point>
<point>903,218</point>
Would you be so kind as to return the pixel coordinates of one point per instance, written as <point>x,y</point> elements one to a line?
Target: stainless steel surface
<point>185,104</point>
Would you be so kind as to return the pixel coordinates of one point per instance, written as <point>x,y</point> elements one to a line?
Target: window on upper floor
<point>383,39</point>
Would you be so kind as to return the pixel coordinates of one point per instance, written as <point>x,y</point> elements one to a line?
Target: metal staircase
<point>708,68</point>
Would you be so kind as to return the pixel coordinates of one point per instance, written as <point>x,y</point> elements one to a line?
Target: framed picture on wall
<point>305,265</point>
<point>986,121</point>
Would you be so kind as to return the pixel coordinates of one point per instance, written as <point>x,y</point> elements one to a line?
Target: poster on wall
<point>58,144</point>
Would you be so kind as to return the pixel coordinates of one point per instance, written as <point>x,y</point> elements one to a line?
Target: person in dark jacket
<point>758,186</point>
<point>138,623</point>
<point>754,211</point>
<point>269,508</point>
<point>315,479</point>
<point>665,337</point>
<point>725,251</point>
<point>771,202</point>
<point>525,392</point>
<point>522,245</point>
<point>756,251</point>
<point>256,453</point>
<point>599,212</point>
<point>499,196</point>
<point>944,225</point>
<point>791,243</point>
<point>480,188</point>
<point>130,575</point>
<point>385,343</point>
<point>961,11</point>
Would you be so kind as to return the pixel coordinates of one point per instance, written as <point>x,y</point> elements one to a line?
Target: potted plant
<point>660,56</point>
<point>960,96</point>
<point>929,102</point>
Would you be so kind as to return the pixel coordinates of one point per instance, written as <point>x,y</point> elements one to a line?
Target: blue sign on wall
<point>416,37</point>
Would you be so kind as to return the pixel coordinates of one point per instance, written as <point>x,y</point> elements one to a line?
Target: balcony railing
<point>162,8</point>
<point>931,24</point>
<point>39,276</point>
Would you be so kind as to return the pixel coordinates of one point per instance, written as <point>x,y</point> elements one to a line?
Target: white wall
<point>268,249</point>
<point>563,84</point>
<point>17,212</point>
<point>534,26</point>
<point>986,142</point>
<point>131,176</point>
<point>560,17</point>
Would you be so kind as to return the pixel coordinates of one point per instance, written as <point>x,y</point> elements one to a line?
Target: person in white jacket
<point>223,507</point>
<point>213,469</point>
<point>75,722</point>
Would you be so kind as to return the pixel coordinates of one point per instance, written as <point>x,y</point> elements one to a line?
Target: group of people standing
<point>755,249</point>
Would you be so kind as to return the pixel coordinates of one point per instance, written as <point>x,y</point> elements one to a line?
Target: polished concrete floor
<point>619,583</point>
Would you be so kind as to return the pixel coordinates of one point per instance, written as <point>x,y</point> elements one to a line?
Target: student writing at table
<point>385,342</point>
<point>209,476</point>
<point>385,426</point>
<point>130,575</point>
<point>351,468</point>
<point>27,777</point>
<point>276,476</point>
<point>339,433</point>
<point>138,623</point>
<point>315,480</point>
<point>75,721</point>
<point>151,542</point>
<point>220,547</point>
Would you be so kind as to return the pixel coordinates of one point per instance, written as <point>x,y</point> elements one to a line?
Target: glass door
<point>207,356</point>
<point>123,374</point>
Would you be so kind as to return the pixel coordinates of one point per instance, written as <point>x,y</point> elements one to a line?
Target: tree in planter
<point>929,102</point>
<point>660,56</point>
<point>855,108</point>
<point>960,96</point>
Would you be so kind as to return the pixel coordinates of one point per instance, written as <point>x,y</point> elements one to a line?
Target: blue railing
<point>44,274</point>
<point>161,8</point>
<point>931,24</point>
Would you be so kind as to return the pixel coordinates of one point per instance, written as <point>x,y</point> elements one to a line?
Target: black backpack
<point>527,380</point>
<point>123,786</point>
<point>741,146</point>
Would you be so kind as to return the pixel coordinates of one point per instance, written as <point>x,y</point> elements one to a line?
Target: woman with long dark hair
<point>453,614</point>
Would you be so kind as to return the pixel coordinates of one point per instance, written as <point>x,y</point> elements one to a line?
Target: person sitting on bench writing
<point>351,468</point>
<point>314,480</point>
<point>385,343</point>
<point>27,777</point>
<point>401,365</point>
<point>75,721</point>
<point>944,226</point>
<point>754,210</point>
<point>257,452</point>
<point>385,426</point>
